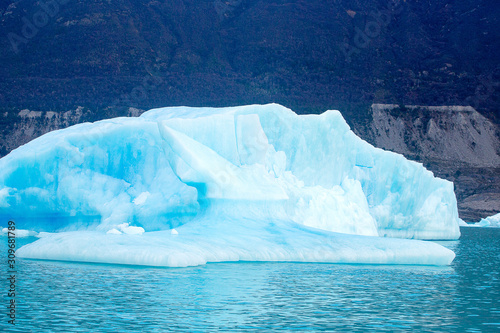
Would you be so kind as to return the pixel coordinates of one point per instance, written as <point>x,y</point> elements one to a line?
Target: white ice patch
<point>212,241</point>
<point>19,233</point>
<point>141,198</point>
<point>129,230</point>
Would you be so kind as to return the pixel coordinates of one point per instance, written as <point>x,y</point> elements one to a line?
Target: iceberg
<point>183,186</point>
<point>491,221</point>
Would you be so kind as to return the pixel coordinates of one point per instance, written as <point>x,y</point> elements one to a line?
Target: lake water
<point>73,297</point>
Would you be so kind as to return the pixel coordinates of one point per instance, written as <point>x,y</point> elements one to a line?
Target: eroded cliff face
<point>455,142</point>
<point>21,126</point>
<point>452,133</point>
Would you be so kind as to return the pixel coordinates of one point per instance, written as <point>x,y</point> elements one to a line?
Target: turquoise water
<point>73,297</point>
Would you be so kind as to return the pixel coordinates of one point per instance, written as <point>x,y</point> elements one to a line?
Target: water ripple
<point>251,297</point>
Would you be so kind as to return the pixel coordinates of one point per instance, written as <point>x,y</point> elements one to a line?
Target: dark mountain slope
<point>310,55</point>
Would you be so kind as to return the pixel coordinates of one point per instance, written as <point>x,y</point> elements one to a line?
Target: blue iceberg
<point>184,186</point>
<point>490,221</point>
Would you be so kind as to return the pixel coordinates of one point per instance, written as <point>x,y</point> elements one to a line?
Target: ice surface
<point>491,221</point>
<point>462,223</point>
<point>19,233</point>
<point>128,229</point>
<point>210,173</point>
<point>114,231</point>
<point>207,240</point>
